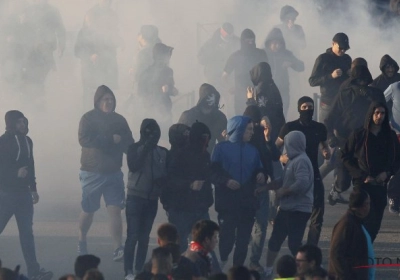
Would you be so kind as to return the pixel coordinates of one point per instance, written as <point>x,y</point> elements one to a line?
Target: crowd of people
<point>255,167</point>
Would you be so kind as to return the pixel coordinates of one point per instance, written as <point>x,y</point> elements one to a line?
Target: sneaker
<point>119,254</point>
<point>82,248</point>
<point>130,277</point>
<point>43,275</point>
<point>335,197</point>
<point>394,205</point>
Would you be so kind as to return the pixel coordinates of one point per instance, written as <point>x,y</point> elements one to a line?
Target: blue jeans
<point>20,204</point>
<point>184,222</point>
<point>259,229</point>
<point>140,215</point>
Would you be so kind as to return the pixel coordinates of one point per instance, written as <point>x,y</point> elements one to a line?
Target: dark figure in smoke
<point>207,111</point>
<point>280,60</point>
<point>241,62</point>
<point>18,187</point>
<point>391,16</point>
<point>215,52</point>
<point>354,63</point>
<point>390,75</point>
<point>96,47</point>
<point>156,86</point>
<point>46,33</point>
<point>266,96</point>
<point>330,71</point>
<point>293,33</point>
<point>104,136</point>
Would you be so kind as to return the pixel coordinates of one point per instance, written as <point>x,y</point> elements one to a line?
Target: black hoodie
<point>363,157</point>
<point>267,97</point>
<point>321,74</point>
<point>382,81</point>
<point>351,105</point>
<point>96,129</point>
<point>216,120</point>
<point>15,153</point>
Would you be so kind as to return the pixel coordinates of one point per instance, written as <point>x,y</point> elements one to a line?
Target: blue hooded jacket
<point>239,161</point>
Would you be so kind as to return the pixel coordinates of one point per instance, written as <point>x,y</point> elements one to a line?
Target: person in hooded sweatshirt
<point>104,136</point>
<point>371,155</point>
<point>390,75</point>
<point>330,71</point>
<point>347,114</point>
<point>215,52</point>
<point>295,191</point>
<point>280,59</point>
<point>266,96</point>
<point>147,174</point>
<point>207,111</point>
<point>241,62</point>
<point>354,63</point>
<point>316,136</point>
<point>189,182</point>
<point>293,33</point>
<point>237,170</point>
<point>18,191</point>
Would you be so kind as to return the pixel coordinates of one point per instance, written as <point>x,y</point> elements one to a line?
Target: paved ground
<point>55,228</point>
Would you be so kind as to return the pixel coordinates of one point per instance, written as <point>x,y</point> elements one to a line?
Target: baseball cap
<point>342,40</point>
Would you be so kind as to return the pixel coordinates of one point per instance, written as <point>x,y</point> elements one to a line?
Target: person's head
<point>253,112</point>
<point>93,274</point>
<point>248,39</point>
<point>227,31</point>
<point>178,135</point>
<point>167,233</point>
<point>340,44</point>
<point>275,41</point>
<point>377,116</point>
<point>239,273</point>
<point>7,274</point>
<point>161,261</point>
<point>240,129</point>
<point>286,266</point>
<point>16,122</point>
<point>150,132</point>
<point>388,66</point>
<point>148,35</point>
<point>305,106</point>
<point>359,61</point>
<point>105,4</point>
<point>261,73</point>
<point>308,257</point>
<point>288,15</point>
<point>85,263</point>
<point>104,99</point>
<point>359,203</point>
<point>68,277</point>
<point>316,274</point>
<point>360,76</point>
<point>294,143</point>
<point>208,99</point>
<point>162,53</point>
<point>199,137</point>
<point>205,232</point>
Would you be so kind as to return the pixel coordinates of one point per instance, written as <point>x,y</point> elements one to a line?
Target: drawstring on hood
<point>100,92</point>
<point>295,144</point>
<point>11,119</point>
<point>236,128</point>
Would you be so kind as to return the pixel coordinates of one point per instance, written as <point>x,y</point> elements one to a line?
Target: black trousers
<point>317,214</point>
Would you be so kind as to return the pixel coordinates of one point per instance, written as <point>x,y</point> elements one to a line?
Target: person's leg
<point>147,220</point>
<point>179,219</point>
<point>317,215</point>
<point>7,208</point>
<point>227,227</point>
<point>259,231</point>
<point>243,235</point>
<point>341,184</point>
<point>115,224</point>
<point>378,204</point>
<point>329,164</point>
<point>297,222</point>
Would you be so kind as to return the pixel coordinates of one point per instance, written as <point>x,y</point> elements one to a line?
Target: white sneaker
<point>130,277</point>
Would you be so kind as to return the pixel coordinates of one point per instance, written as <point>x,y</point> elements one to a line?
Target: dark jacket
<point>190,164</point>
<point>382,81</point>
<point>321,74</point>
<point>215,120</point>
<point>358,158</point>
<point>278,59</point>
<point>147,163</point>
<point>267,97</point>
<point>205,265</point>
<point>351,105</point>
<point>16,151</point>
<point>234,159</point>
<point>348,249</point>
<point>96,129</point>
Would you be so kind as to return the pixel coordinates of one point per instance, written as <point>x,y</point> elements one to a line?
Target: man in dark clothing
<point>371,155</point>
<point>241,62</point>
<point>147,171</point>
<point>189,183</point>
<point>316,137</point>
<point>96,47</point>
<point>390,75</point>
<point>18,188</point>
<point>330,71</point>
<point>104,136</point>
<point>293,33</point>
<point>204,241</point>
<point>207,111</point>
<point>280,59</point>
<point>215,52</point>
<point>347,114</point>
<point>351,249</point>
<point>354,63</point>
<point>266,96</point>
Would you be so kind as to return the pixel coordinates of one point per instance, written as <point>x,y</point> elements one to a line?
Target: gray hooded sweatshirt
<point>298,175</point>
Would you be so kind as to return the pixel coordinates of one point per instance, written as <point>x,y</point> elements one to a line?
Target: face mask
<point>306,116</point>
<point>210,100</point>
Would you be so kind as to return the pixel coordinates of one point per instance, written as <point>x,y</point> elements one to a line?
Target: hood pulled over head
<point>208,96</point>
<point>178,135</point>
<point>11,119</point>
<point>295,143</point>
<point>261,73</point>
<point>360,72</point>
<point>199,136</point>
<point>236,128</point>
<point>100,92</point>
<point>150,132</point>
<point>388,60</point>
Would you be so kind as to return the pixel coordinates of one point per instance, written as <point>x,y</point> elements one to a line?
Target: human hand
<point>260,178</point>
<point>197,185</point>
<point>326,154</point>
<point>337,73</point>
<point>116,138</point>
<point>35,197</point>
<point>23,172</point>
<point>369,179</point>
<point>165,88</point>
<point>250,93</point>
<point>233,184</point>
<point>381,177</point>
<point>283,159</point>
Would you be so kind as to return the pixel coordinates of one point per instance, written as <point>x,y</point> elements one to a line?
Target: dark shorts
<point>95,185</point>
